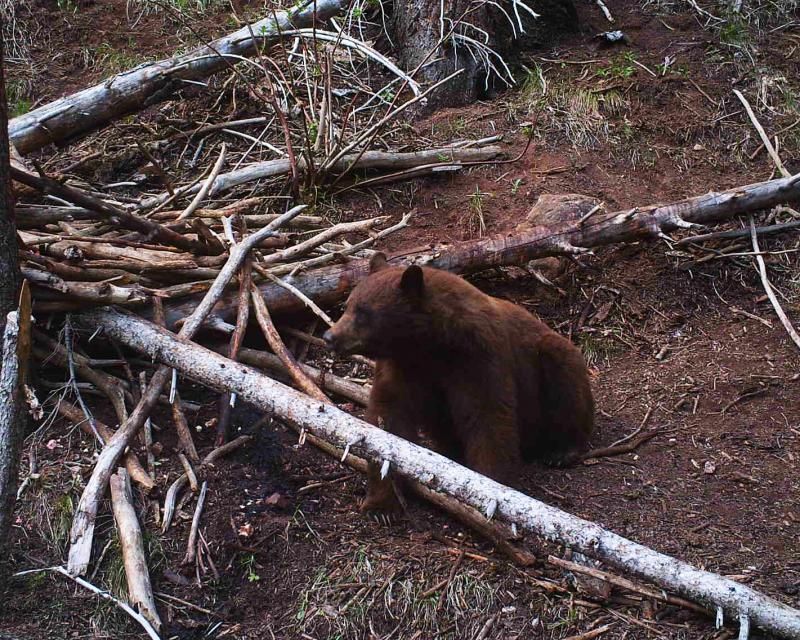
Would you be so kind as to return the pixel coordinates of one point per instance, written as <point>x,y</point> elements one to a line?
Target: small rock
<point>709,467</point>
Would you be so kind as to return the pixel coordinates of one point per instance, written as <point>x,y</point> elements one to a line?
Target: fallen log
<point>152,83</point>
<point>446,476</point>
<point>443,157</point>
<point>330,285</point>
<point>140,591</point>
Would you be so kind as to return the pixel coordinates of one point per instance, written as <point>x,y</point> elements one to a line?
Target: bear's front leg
<point>384,497</point>
<point>484,413</point>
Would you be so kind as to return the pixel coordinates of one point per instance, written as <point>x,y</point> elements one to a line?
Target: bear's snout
<point>329,339</point>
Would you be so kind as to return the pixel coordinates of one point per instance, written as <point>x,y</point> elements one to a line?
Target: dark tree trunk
<point>416,29</point>
<point>10,443</point>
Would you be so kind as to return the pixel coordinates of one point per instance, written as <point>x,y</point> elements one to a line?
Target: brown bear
<point>485,380</point>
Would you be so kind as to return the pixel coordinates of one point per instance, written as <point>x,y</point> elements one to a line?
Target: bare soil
<point>692,349</point>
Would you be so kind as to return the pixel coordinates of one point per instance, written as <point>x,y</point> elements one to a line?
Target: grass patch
<point>360,591</point>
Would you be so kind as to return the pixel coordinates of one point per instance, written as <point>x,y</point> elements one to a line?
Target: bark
<point>416,30</point>
<point>446,476</point>
<point>330,285</point>
<point>150,84</point>
<point>140,591</point>
<point>12,366</point>
<point>10,277</point>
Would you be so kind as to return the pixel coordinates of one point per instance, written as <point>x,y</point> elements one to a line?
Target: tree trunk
<point>11,434</point>
<point>417,28</point>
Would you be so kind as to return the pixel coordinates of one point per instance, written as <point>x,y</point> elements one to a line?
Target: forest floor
<point>679,338</point>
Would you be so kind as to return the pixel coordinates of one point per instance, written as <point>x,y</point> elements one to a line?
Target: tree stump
<point>417,27</point>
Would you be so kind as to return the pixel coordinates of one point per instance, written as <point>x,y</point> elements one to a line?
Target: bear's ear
<point>377,262</point>
<point>412,283</point>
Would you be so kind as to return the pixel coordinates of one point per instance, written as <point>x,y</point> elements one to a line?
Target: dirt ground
<point>680,340</point>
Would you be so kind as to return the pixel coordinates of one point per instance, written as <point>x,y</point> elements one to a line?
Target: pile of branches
<point>239,221</point>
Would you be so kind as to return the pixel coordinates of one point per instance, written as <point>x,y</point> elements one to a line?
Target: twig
<point>276,344</point>
<point>242,317</point>
<point>190,474</point>
<point>211,458</point>
<point>762,134</point>
<point>125,218</point>
<point>624,583</point>
<point>738,233</point>
<point>145,624</point>
<point>605,10</point>
<point>629,447</point>
<point>762,270</point>
<point>296,292</point>
<point>206,187</point>
<point>191,547</point>
<point>592,633</point>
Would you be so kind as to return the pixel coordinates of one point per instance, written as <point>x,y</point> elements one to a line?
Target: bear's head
<point>385,315</point>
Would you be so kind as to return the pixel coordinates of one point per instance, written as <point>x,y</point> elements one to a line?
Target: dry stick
<point>762,271</point>
<point>206,186</point>
<point>276,344</point>
<point>280,270</point>
<point>625,583</point>
<point>111,386</point>
<point>135,469</point>
<point>147,432</point>
<point>308,302</point>
<point>191,547</point>
<point>92,292</point>
<point>410,460</point>
<point>175,488</point>
<point>592,633</point>
<point>739,233</point>
<point>329,285</point>
<point>302,248</point>
<point>156,165</point>
<point>82,531</point>
<point>185,439</point>
<point>126,219</point>
<point>143,622</point>
<point>140,591</point>
<point>620,449</point>
<point>762,134</point>
<point>190,474</point>
<point>328,381</point>
<point>450,576</point>
<point>242,318</point>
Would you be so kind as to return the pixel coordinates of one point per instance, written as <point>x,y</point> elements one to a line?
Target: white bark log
<point>140,591</point>
<point>437,472</point>
<point>151,83</point>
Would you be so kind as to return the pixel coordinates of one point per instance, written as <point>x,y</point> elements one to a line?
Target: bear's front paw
<point>382,508</point>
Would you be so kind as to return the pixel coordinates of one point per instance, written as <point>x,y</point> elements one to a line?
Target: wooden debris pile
<point>204,217</point>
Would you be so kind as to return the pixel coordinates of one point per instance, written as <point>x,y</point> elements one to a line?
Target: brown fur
<point>488,382</point>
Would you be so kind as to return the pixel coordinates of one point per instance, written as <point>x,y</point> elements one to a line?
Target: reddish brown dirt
<point>717,487</point>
